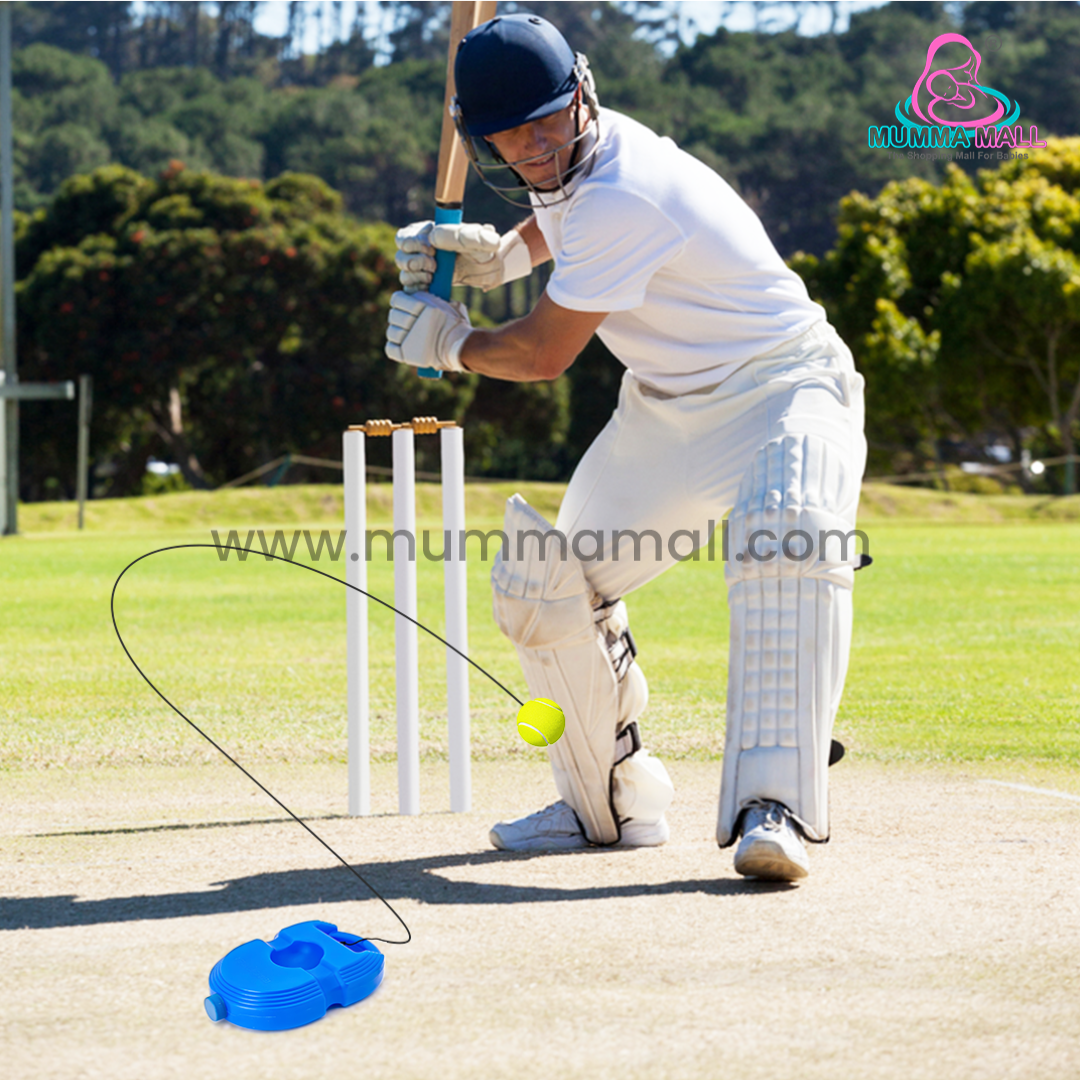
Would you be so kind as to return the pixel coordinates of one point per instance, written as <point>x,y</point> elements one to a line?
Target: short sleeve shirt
<point>693,283</point>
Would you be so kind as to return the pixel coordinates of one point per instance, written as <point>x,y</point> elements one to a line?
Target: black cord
<point>180,547</point>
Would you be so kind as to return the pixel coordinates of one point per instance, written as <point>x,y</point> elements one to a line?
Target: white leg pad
<point>791,621</point>
<point>641,788</point>
<point>573,649</point>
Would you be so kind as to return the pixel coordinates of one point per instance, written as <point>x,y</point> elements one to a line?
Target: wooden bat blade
<point>453,161</point>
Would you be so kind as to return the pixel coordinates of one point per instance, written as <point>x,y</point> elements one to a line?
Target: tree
<point>782,116</point>
<point>901,363</point>
<point>418,30</point>
<point>1018,304</point>
<point>377,143</point>
<point>225,322</point>
<point>102,30</point>
<point>961,302</point>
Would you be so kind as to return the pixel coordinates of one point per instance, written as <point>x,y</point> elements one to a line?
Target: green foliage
<point>164,484</point>
<point>900,359</point>
<point>225,322</point>
<point>374,143</point>
<point>595,379</point>
<point>520,429</point>
<point>782,116</point>
<point>962,304</point>
<point>126,36</point>
<point>133,123</point>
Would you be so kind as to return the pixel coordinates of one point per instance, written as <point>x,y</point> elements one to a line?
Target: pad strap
<point>627,742</point>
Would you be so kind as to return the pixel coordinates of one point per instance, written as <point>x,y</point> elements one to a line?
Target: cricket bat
<point>453,162</point>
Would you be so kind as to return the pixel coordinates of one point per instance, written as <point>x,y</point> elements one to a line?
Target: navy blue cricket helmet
<point>512,70</point>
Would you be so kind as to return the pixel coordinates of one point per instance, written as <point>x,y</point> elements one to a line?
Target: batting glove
<point>425,331</point>
<point>485,260</point>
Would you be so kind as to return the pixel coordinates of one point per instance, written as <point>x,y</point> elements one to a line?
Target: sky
<point>696,16</point>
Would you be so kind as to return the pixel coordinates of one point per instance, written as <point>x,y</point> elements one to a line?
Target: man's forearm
<point>540,346</point>
<point>508,352</point>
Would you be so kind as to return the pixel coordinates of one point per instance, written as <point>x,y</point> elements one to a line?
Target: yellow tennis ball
<point>541,722</point>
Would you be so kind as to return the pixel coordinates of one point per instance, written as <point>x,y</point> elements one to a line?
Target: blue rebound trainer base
<point>294,979</point>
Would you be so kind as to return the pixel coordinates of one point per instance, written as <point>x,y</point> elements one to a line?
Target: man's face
<point>541,150</point>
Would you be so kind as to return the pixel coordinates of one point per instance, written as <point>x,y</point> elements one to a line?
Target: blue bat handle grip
<point>443,279</point>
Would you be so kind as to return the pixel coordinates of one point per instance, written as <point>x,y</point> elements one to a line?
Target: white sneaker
<point>557,828</point>
<point>771,847</point>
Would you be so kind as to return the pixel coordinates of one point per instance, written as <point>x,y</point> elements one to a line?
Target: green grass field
<point>965,644</point>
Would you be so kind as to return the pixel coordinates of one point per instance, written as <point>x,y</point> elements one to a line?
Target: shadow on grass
<point>408,879</point>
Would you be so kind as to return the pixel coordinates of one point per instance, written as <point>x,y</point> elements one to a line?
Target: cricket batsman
<point>738,396</point>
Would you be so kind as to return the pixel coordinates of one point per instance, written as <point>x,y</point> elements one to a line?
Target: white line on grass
<point>1036,790</point>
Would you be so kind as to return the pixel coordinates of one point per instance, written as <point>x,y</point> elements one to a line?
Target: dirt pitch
<point>938,935</point>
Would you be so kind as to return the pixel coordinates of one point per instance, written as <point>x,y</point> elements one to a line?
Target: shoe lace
<point>774,814</point>
<point>558,807</point>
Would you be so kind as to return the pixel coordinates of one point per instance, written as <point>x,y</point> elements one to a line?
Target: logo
<point>950,109</point>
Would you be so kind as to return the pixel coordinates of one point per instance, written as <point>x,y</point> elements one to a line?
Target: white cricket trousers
<point>667,463</point>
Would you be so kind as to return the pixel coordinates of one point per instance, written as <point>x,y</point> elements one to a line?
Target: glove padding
<point>425,331</point>
<point>485,260</point>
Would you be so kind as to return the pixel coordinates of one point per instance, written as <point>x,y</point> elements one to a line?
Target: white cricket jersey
<point>693,283</point>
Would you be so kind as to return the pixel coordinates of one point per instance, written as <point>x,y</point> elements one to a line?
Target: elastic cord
<point>180,547</point>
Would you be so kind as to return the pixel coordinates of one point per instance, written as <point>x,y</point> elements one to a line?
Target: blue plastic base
<point>294,979</point>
